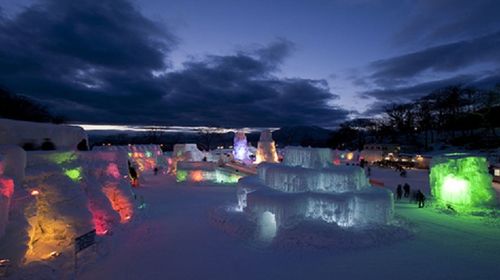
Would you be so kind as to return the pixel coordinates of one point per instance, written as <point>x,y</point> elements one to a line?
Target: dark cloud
<point>457,42</point>
<point>437,22</point>
<point>240,89</point>
<point>444,58</point>
<point>414,91</point>
<point>100,61</point>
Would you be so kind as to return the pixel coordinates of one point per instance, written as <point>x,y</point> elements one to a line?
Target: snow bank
<point>21,132</point>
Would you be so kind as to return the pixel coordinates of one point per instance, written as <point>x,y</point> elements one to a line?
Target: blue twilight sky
<point>242,63</point>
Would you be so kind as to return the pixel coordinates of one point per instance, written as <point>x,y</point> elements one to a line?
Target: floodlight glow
<point>455,190</point>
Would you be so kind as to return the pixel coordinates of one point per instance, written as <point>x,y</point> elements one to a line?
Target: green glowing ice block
<point>461,180</point>
<point>74,174</point>
<point>181,175</point>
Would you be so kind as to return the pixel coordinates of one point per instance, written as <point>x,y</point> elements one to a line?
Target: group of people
<point>401,170</point>
<point>404,191</point>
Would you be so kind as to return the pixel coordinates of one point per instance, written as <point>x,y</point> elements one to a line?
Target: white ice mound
<point>298,179</point>
<point>308,157</point>
<point>293,192</point>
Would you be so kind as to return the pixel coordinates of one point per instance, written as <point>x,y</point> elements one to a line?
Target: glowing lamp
<point>35,192</point>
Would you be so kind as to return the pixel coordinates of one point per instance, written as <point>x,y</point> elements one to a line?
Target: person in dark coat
<point>132,173</point>
<point>406,189</point>
<point>399,192</point>
<point>420,199</point>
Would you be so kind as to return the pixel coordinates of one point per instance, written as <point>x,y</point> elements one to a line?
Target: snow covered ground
<point>174,238</point>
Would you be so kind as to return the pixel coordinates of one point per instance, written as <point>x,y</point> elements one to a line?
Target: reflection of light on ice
<point>455,190</point>
<point>267,226</point>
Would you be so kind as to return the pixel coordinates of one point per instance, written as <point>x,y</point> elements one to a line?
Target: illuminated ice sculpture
<point>266,148</point>
<point>308,187</point>
<point>240,147</point>
<point>462,181</point>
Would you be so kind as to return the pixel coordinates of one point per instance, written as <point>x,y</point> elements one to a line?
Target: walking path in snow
<point>173,239</point>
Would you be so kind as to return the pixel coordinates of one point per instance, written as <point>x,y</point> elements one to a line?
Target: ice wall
<point>6,192</point>
<point>266,148</point>
<point>14,162</point>
<point>108,190</point>
<point>21,132</point>
<point>308,157</point>
<point>12,165</point>
<point>59,212</point>
<point>297,179</point>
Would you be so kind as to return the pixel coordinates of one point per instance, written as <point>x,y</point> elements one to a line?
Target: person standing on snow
<point>420,199</point>
<point>406,189</point>
<point>399,192</point>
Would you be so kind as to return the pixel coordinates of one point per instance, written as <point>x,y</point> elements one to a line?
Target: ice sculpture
<point>205,172</point>
<point>266,148</point>
<point>144,157</point>
<point>462,181</point>
<point>240,147</point>
<point>308,187</point>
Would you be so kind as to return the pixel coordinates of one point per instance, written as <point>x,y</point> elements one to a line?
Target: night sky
<point>242,63</point>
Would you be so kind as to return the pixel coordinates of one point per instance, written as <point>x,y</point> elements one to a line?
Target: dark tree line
<point>22,108</point>
<point>454,115</point>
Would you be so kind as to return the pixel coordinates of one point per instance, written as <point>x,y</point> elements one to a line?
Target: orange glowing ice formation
<point>119,202</point>
<point>197,176</point>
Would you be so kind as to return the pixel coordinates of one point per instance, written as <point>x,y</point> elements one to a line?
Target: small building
<point>496,172</point>
<point>378,152</point>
